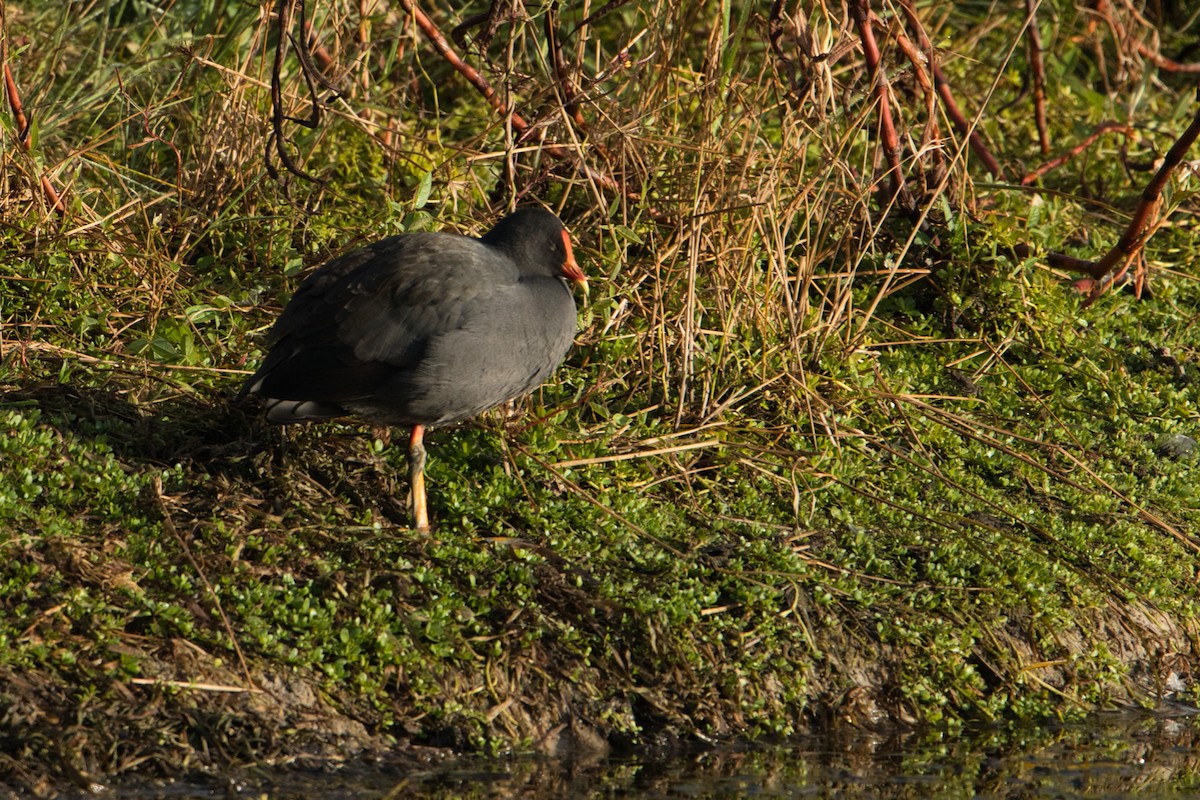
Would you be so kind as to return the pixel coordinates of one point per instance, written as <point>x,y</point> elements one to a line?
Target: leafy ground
<point>810,463</point>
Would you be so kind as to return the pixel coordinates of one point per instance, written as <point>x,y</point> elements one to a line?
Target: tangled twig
<point>795,76</point>
<point>312,78</point>
<point>947,96</point>
<point>151,136</point>
<point>520,125</point>
<point>774,34</point>
<point>570,93</point>
<point>489,20</point>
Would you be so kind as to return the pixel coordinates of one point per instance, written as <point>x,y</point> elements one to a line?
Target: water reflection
<point>1109,756</point>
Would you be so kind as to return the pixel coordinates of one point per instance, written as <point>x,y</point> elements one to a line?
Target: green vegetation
<point>811,462</point>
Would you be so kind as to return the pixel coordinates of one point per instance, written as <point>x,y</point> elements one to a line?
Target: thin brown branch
<point>489,21</point>
<point>1166,64</point>
<point>314,51</point>
<point>1038,69</point>
<point>570,94</point>
<point>463,68</point>
<point>919,61</point>
<point>14,102</point>
<point>1145,217</point>
<point>23,125</point>
<point>860,10</point>
<point>1064,261</point>
<point>276,141</point>
<point>1058,161</point>
<point>304,53</point>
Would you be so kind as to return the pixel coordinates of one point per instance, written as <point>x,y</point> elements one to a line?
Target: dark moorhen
<point>424,329</point>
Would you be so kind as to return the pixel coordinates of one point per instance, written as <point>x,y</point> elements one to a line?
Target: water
<point>1109,756</point>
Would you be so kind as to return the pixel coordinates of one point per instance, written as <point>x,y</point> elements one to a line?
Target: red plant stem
<point>1038,68</point>
<point>466,70</point>
<point>943,89</point>
<point>1140,226</point>
<point>14,102</point>
<point>1164,63</point>
<point>918,61</point>
<point>1070,263</point>
<point>1138,231</point>
<point>956,116</point>
<point>890,140</point>
<point>1058,161</point>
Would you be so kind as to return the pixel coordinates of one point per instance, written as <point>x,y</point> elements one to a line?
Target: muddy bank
<point>190,714</point>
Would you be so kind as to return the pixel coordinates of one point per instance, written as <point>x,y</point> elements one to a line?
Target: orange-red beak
<point>571,270</point>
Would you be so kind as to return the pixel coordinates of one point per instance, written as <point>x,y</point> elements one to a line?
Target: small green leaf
<point>423,190</point>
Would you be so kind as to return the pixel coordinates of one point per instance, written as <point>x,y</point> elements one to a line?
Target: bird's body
<point>424,329</point>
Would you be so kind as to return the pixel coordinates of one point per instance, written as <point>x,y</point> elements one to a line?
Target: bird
<point>424,329</point>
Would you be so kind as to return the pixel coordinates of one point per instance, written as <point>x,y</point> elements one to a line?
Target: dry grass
<point>760,212</point>
<point>748,181</point>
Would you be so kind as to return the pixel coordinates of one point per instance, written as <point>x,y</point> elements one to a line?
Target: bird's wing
<point>363,317</point>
